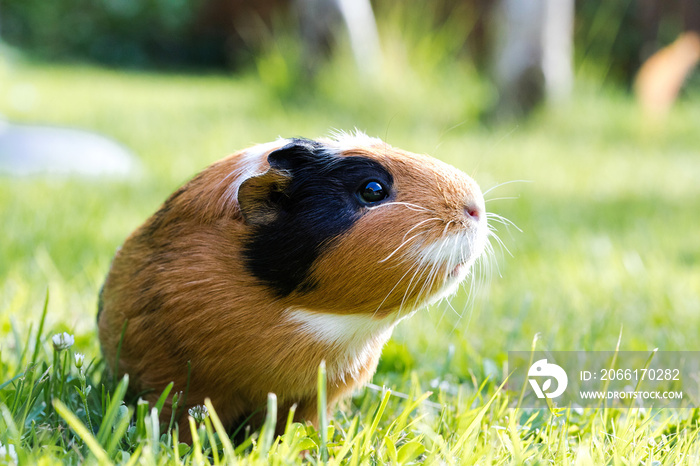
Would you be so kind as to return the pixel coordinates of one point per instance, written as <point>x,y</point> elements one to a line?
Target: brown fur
<point>180,281</point>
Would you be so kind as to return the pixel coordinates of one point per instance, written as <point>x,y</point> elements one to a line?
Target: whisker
<point>503,184</point>
<point>492,253</point>
<point>445,132</point>
<point>435,269</point>
<point>444,311</point>
<point>405,241</point>
<point>479,279</point>
<point>447,225</point>
<point>409,288</point>
<point>432,264</point>
<point>429,282</point>
<point>419,224</point>
<point>474,289</point>
<point>408,205</point>
<point>449,304</point>
<point>442,316</point>
<point>500,219</point>
<point>402,245</point>
<point>501,199</point>
<point>393,288</point>
<point>500,242</point>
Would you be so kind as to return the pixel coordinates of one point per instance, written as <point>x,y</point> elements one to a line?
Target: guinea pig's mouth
<point>449,284</point>
<point>454,254</point>
<point>458,270</point>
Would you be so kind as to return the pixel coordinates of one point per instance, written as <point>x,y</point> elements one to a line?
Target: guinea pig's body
<point>279,257</point>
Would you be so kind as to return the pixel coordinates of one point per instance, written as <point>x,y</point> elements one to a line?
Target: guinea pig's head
<point>353,225</point>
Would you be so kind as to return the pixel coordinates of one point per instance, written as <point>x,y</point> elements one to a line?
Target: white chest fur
<point>356,337</point>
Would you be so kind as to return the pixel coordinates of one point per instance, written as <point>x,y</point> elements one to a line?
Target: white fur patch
<point>248,165</point>
<point>358,336</point>
<point>452,250</point>
<point>253,155</point>
<point>342,141</point>
<point>455,252</point>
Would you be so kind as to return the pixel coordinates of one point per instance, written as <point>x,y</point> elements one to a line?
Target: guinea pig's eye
<point>371,192</point>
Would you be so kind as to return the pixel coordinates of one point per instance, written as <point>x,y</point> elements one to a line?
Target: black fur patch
<point>318,205</point>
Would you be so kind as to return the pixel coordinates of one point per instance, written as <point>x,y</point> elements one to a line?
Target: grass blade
<point>375,421</point>
<point>268,431</point>
<point>219,427</point>
<point>118,433</point>
<point>82,432</point>
<point>112,410</point>
<point>37,344</point>
<point>322,411</point>
<point>163,396</point>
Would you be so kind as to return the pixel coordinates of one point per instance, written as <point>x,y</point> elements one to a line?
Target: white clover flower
<point>62,341</point>
<point>79,359</point>
<point>8,452</point>
<point>199,413</point>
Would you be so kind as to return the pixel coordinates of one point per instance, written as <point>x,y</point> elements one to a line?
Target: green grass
<point>609,245</point>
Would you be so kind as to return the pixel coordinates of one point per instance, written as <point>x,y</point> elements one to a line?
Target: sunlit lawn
<point>608,210</point>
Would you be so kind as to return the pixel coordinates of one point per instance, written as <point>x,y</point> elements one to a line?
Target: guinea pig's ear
<point>293,155</point>
<point>259,196</point>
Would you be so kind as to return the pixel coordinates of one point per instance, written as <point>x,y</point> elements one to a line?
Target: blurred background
<point>583,117</point>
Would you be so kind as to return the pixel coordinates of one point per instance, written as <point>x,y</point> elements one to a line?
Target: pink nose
<point>473,210</point>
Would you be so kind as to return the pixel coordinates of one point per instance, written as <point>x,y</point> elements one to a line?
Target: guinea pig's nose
<point>473,210</point>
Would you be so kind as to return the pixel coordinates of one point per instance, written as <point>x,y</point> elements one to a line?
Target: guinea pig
<point>279,257</point>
